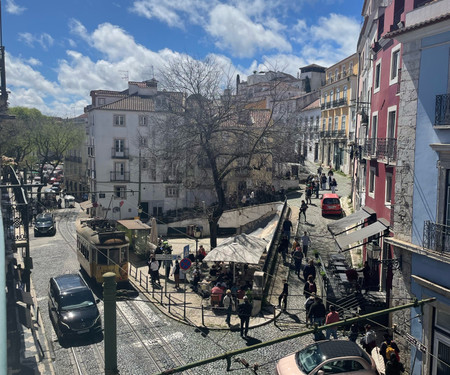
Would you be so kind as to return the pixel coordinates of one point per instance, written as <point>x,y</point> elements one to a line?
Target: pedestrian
<point>330,178</point>
<point>167,266</point>
<point>303,208</point>
<point>319,170</point>
<point>228,305</point>
<point>244,313</point>
<point>394,366</point>
<point>18,276</point>
<point>158,251</point>
<point>26,274</point>
<point>310,287</point>
<point>366,276</point>
<point>295,244</point>
<point>305,243</point>
<point>283,248</point>
<point>287,227</point>
<point>176,273</point>
<point>369,342</point>
<point>333,185</point>
<point>354,332</point>
<point>317,312</point>
<point>308,303</point>
<point>323,180</point>
<point>297,255</point>
<point>316,186</point>
<point>153,266</point>
<point>244,200</point>
<point>388,347</point>
<point>201,254</point>
<point>332,317</point>
<point>284,295</point>
<point>310,269</point>
<point>59,203</point>
<point>308,193</point>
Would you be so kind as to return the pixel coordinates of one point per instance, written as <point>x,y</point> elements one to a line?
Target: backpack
<point>389,351</point>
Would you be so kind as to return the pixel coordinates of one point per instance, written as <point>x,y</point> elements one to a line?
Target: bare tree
<point>210,132</point>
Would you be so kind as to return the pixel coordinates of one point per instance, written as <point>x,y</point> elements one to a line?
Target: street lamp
<point>197,235</point>
<point>139,211</point>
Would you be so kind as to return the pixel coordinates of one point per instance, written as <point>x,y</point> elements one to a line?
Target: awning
<point>341,225</point>
<point>344,240</point>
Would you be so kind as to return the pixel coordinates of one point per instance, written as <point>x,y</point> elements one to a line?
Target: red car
<point>331,205</point>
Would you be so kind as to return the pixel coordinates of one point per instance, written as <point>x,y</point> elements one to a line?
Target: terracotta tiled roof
<point>257,105</point>
<point>109,92</point>
<point>132,103</point>
<point>315,104</point>
<point>417,26</point>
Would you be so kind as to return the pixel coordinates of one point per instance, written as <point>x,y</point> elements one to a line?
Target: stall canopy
<point>242,248</point>
<point>344,240</point>
<point>341,225</point>
<point>154,232</point>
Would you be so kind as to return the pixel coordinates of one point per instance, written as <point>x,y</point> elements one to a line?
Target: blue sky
<point>57,51</point>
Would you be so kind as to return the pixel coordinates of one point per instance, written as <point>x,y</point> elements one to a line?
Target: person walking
<point>354,332</point>
<point>333,185</point>
<point>176,273</point>
<point>303,208</point>
<point>310,269</point>
<point>244,313</point>
<point>394,366</point>
<point>332,317</point>
<point>323,180</point>
<point>283,248</point>
<point>305,243</point>
<point>297,255</point>
<point>228,305</point>
<point>287,227</point>
<point>317,312</point>
<point>316,186</point>
<point>387,347</point>
<point>310,287</point>
<point>308,303</point>
<point>308,193</point>
<point>153,270</point>
<point>369,341</point>
<point>284,295</point>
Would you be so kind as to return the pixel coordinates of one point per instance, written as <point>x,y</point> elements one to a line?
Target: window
<point>388,193</point>
<point>372,181</point>
<point>344,73</point>
<point>324,98</point>
<point>331,96</point>
<point>317,121</point>
<point>101,101</point>
<point>374,126</point>
<point>336,74</point>
<point>377,78</point>
<point>344,93</point>
<point>336,123</point>
<point>390,131</point>
<point>343,122</point>
<point>172,192</point>
<point>119,145</point>
<point>324,124</point>
<point>338,92</point>
<point>119,120</point>
<point>120,192</point>
<point>395,62</point>
<point>143,141</point>
<point>351,68</point>
<point>144,164</point>
<point>329,123</point>
<point>143,120</point>
<point>311,121</point>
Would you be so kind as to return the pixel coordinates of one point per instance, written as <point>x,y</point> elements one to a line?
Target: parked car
<point>328,357</point>
<point>331,205</point>
<point>72,307</point>
<point>44,225</point>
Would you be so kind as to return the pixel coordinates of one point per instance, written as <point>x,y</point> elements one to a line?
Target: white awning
<point>344,240</point>
<point>341,225</point>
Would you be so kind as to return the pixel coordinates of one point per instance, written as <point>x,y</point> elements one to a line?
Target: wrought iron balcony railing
<point>325,134</point>
<point>120,153</point>
<point>442,115</point>
<point>436,237</point>
<point>386,148</point>
<point>119,176</point>
<point>368,148</point>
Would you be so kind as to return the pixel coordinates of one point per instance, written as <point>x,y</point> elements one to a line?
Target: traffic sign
<point>186,251</point>
<point>185,263</point>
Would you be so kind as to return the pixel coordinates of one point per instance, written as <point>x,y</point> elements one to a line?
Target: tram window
<point>114,256</point>
<point>102,257</point>
<point>124,254</point>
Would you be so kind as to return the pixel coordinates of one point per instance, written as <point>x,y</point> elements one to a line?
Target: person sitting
<point>217,291</point>
<point>196,279</point>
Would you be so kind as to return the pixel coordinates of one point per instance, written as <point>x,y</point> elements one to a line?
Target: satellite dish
<point>116,209</point>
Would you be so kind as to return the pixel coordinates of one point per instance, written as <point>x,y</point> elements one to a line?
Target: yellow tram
<point>102,248</point>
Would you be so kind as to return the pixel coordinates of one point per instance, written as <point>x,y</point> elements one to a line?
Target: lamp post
<point>197,235</point>
<point>139,211</point>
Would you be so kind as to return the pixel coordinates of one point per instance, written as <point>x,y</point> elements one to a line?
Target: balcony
<point>322,106</point>
<point>384,149</point>
<point>120,153</point>
<point>436,237</point>
<point>442,114</point>
<point>119,176</point>
<point>325,134</point>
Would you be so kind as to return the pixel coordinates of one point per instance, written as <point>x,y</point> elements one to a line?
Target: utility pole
<point>139,184</point>
<point>110,323</point>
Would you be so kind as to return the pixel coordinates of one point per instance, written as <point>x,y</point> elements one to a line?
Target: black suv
<point>72,307</point>
<point>44,225</point>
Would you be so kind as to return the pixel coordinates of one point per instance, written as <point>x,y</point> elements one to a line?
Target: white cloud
<point>44,40</point>
<point>34,62</point>
<point>13,8</point>
<point>237,33</point>
<point>173,13</point>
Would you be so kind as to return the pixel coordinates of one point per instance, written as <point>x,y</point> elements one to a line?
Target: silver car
<point>328,357</point>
